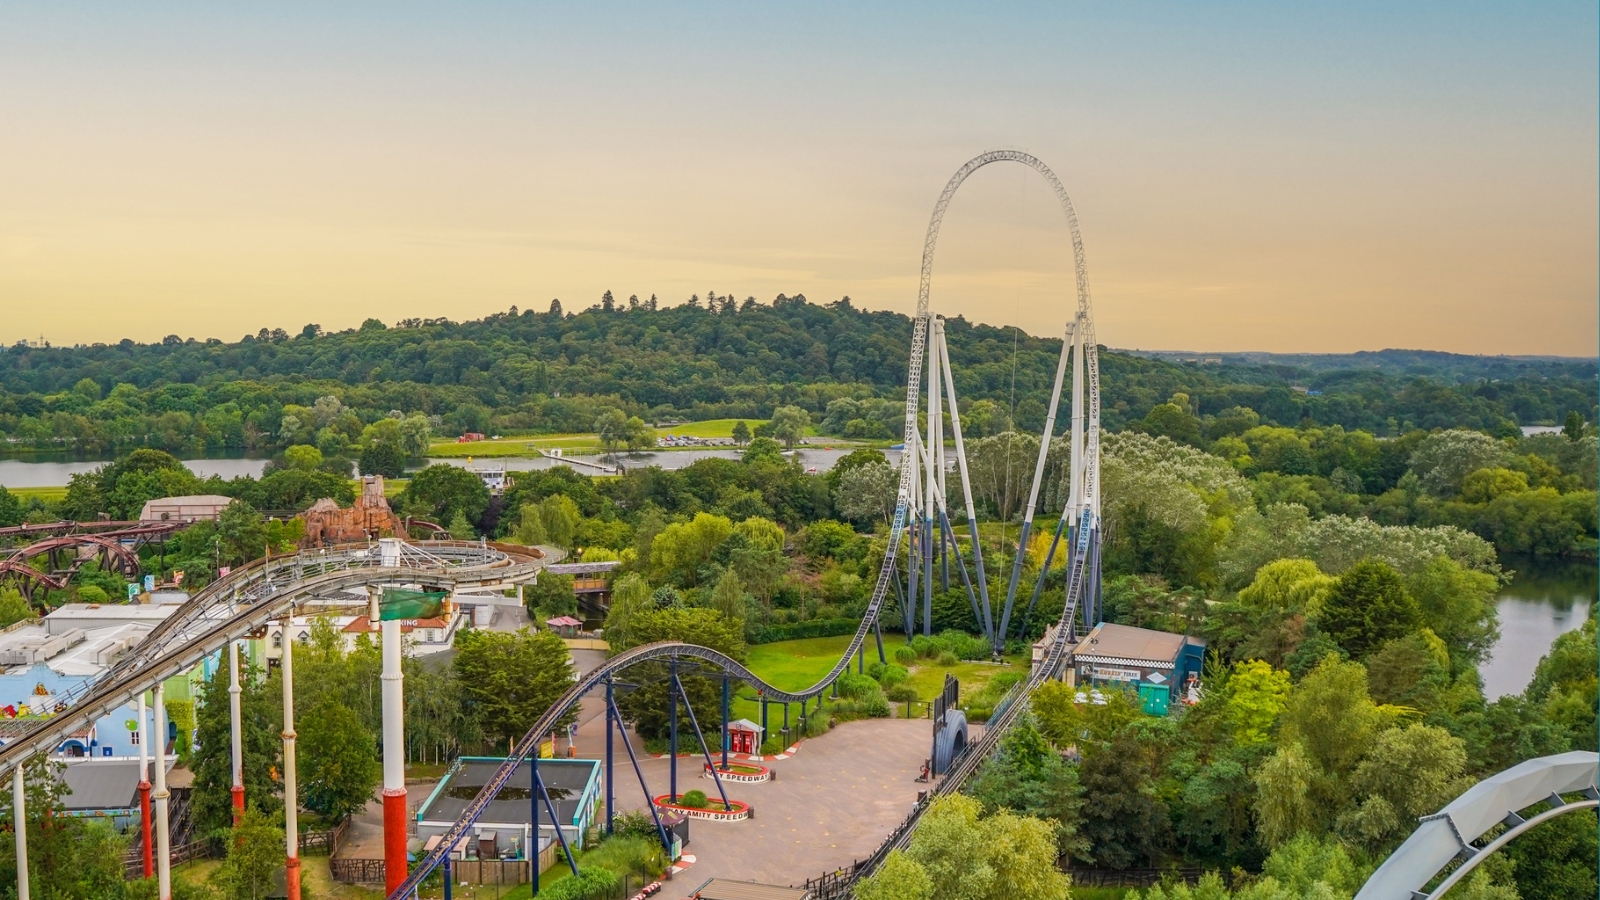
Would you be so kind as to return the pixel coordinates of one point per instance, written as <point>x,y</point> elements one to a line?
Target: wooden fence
<point>1140,878</point>
<point>464,871</point>
<point>204,848</point>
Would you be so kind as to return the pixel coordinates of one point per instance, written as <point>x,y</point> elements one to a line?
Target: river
<point>1546,598</point>
<point>37,472</point>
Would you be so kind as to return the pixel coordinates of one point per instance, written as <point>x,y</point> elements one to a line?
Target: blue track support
<point>533,801</point>
<point>950,542</point>
<point>672,725</point>
<point>927,575</point>
<point>666,843</point>
<point>561,836</point>
<point>1011,589</point>
<point>944,557</point>
<point>913,573</point>
<point>877,632</point>
<point>725,735</point>
<point>987,619</point>
<point>704,748</point>
<point>764,735</point>
<point>447,878</point>
<point>611,783</point>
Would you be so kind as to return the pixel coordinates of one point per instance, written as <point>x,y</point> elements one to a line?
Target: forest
<point>554,371</point>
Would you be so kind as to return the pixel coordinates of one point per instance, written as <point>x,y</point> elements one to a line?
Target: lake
<point>1545,599</point>
<point>33,472</point>
<point>810,457</point>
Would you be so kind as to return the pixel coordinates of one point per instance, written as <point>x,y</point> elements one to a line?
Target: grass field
<point>47,494</point>
<point>711,428</point>
<point>799,664</point>
<point>526,445</point>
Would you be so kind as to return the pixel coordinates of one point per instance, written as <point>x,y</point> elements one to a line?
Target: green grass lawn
<point>526,445</point>
<point>799,664</point>
<point>47,494</point>
<point>711,428</point>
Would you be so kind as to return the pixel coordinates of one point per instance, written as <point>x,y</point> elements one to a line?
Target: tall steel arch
<point>1499,799</point>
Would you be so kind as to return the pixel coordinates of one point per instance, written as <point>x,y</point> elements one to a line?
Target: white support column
<point>291,795</point>
<point>389,552</point>
<point>235,731</point>
<point>19,809</point>
<point>146,834</point>
<point>1076,459</point>
<point>163,834</point>
<point>394,758</point>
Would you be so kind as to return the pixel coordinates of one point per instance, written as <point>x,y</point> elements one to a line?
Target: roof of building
<point>101,784</point>
<point>1109,642</point>
<point>363,625</point>
<point>564,621</point>
<point>728,889</point>
<point>582,568</point>
<point>564,779</point>
<point>743,725</point>
<point>200,504</point>
<point>86,615</point>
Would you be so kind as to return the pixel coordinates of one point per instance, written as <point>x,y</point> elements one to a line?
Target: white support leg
<point>236,732</point>
<point>291,796</point>
<point>19,808</point>
<point>163,834</point>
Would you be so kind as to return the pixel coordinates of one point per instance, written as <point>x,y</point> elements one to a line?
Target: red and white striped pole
<point>144,790</point>
<point>291,799</point>
<point>394,759</point>
<point>236,732</point>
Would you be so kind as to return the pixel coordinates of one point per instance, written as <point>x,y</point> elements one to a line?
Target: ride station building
<point>1159,666</point>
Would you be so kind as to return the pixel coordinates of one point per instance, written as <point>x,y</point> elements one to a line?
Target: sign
<point>224,571</point>
<point>1156,678</point>
<point>133,592</point>
<point>1109,674</point>
<point>149,583</point>
<point>177,577</point>
<point>401,604</point>
<point>547,749</point>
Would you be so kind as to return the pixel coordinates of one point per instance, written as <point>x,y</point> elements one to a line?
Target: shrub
<point>901,693</point>
<point>591,884</point>
<point>815,628</point>
<point>695,799</point>
<point>634,824</point>
<point>875,670</point>
<point>924,646</point>
<point>855,687</point>
<point>632,854</point>
<point>905,656</point>
<point>876,706</point>
<point>948,658</point>
<point>980,705</point>
<point>893,675</point>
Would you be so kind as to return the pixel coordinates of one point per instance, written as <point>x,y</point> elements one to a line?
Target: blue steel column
<point>533,803</point>
<point>611,793</point>
<point>927,573</point>
<point>447,876</point>
<point>913,574</point>
<point>672,725</point>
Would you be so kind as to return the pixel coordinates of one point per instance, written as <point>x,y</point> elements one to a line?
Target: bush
<point>901,693</point>
<point>632,854</point>
<point>592,883</point>
<point>948,658</point>
<point>695,799</point>
<point>893,675</point>
<point>797,630</point>
<point>980,706</point>
<point>875,670</point>
<point>924,646</point>
<point>855,687</point>
<point>905,656</point>
<point>634,824</point>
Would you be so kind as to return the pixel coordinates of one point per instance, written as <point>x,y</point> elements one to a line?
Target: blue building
<point>573,784</point>
<point>1158,666</point>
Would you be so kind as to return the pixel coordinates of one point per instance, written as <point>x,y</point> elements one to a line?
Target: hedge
<point>812,629</point>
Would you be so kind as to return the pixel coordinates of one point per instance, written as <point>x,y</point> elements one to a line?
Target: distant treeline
<point>555,371</point>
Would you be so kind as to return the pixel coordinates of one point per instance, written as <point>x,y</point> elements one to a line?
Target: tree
<point>898,877</point>
<point>1288,585</point>
<point>867,493</point>
<point>612,428</point>
<point>1573,427</point>
<point>762,448</point>
<point>460,528</point>
<point>510,680</point>
<point>1368,605</point>
<point>1408,773</point>
<point>10,510</point>
<point>728,598</point>
<point>383,458</point>
<point>683,548</point>
<point>560,517</point>
<point>302,456</point>
<point>968,857</point>
<point>440,491</point>
<point>1030,778</point>
<point>1254,697</point>
<point>255,854</point>
<point>630,596</point>
<point>530,526</point>
<point>1555,860</point>
<point>741,433</point>
<point>1443,460</point>
<point>1124,821</point>
<point>1458,605</point>
<point>69,858</point>
<point>789,424</point>
<point>550,596</point>
<point>261,727</point>
<point>241,533</point>
<point>340,760</point>
<point>13,607</point>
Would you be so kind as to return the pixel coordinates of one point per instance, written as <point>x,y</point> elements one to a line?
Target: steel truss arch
<point>1448,834</point>
<point>233,607</point>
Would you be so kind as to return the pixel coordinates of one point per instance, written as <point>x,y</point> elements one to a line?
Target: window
<point>277,641</point>
<point>133,737</point>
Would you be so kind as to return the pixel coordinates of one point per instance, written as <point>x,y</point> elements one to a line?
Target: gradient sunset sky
<point>1269,176</point>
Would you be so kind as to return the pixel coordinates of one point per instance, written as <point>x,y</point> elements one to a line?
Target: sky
<point>1307,177</point>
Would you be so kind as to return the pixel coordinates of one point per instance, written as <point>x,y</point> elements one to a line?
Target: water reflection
<point>1545,599</point>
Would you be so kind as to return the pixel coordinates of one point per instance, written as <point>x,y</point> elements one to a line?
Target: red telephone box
<point>744,736</point>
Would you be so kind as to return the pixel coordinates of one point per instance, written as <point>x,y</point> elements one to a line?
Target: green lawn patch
<point>711,428</point>
<point>47,494</point>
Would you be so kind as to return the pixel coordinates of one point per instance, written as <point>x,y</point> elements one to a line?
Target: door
<point>1155,698</point>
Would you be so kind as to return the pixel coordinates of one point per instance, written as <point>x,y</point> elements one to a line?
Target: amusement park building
<point>573,784</point>
<point>1156,665</point>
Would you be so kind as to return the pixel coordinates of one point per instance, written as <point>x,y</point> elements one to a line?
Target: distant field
<point>527,445</point>
<point>711,428</point>
<point>47,494</point>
